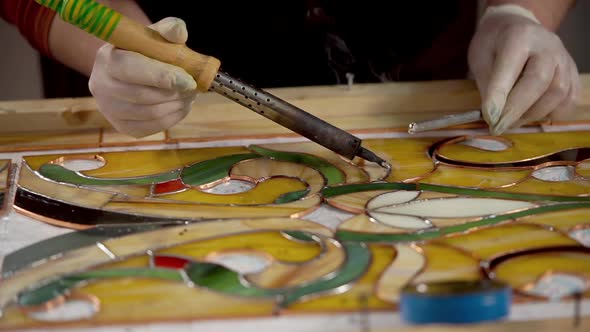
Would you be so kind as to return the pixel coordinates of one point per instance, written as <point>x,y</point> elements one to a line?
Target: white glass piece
<point>555,173</point>
<point>457,207</point>
<point>243,263</point>
<point>230,187</point>
<point>559,285</point>
<point>79,165</point>
<point>582,236</point>
<point>396,197</point>
<point>69,311</point>
<point>487,144</point>
<point>407,264</point>
<point>400,221</point>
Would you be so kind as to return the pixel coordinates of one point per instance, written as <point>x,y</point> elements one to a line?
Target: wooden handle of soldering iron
<point>124,33</point>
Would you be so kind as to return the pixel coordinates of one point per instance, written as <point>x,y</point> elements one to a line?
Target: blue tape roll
<point>455,302</point>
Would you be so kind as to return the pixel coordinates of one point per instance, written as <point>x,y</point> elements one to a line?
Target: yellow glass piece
<point>408,263</point>
<point>137,300</point>
<point>445,263</point>
<point>352,299</point>
<point>130,190</point>
<point>561,220</point>
<point>285,274</point>
<point>62,192</point>
<point>126,164</point>
<point>567,188</point>
<point>522,272</point>
<point>139,261</point>
<point>138,244</point>
<point>472,177</point>
<point>263,168</point>
<point>352,173</point>
<point>355,202</point>
<point>408,157</point>
<point>583,169</point>
<point>363,224</point>
<point>265,192</point>
<point>271,243</point>
<point>524,147</point>
<point>486,243</point>
<point>172,210</point>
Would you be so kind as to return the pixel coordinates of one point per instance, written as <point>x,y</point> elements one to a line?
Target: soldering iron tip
<point>370,156</point>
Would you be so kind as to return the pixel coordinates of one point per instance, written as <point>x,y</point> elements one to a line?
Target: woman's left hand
<point>522,70</point>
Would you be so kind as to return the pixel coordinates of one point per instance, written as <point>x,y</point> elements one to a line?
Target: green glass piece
<point>332,174</point>
<point>358,260</point>
<point>499,194</point>
<point>223,280</point>
<point>59,173</point>
<point>291,197</point>
<point>434,233</point>
<point>24,257</point>
<point>56,288</point>
<point>355,188</point>
<point>212,170</point>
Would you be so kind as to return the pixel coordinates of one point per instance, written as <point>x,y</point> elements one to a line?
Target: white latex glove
<point>140,96</point>
<point>522,70</point>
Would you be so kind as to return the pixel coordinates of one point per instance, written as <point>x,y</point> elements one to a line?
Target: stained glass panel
<point>162,231</point>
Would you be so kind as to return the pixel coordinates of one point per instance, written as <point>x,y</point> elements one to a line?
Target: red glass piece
<point>170,262</point>
<point>169,187</point>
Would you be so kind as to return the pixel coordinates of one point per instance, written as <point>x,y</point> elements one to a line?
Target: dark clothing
<point>316,42</point>
<point>285,43</point>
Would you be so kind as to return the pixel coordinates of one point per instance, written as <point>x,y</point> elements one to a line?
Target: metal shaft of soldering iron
<point>293,118</point>
<point>445,122</point>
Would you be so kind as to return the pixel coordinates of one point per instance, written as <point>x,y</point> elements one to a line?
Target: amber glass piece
<point>524,147</point>
<point>408,157</point>
<point>286,274</point>
<point>472,177</point>
<point>445,263</point>
<point>143,163</point>
<point>583,169</point>
<point>360,295</point>
<point>522,272</point>
<point>486,243</point>
<point>271,243</point>
<point>566,188</point>
<point>564,221</point>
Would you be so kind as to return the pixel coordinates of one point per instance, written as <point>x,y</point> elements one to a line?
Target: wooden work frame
<point>73,123</point>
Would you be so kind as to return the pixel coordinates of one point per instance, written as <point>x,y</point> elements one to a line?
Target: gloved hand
<point>522,70</point>
<point>140,96</point>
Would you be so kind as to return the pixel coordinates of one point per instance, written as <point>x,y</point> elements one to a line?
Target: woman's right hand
<point>140,96</point>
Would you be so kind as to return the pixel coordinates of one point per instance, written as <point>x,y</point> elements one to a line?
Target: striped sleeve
<point>32,20</point>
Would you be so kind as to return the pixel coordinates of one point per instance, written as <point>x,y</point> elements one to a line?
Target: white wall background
<point>20,71</point>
